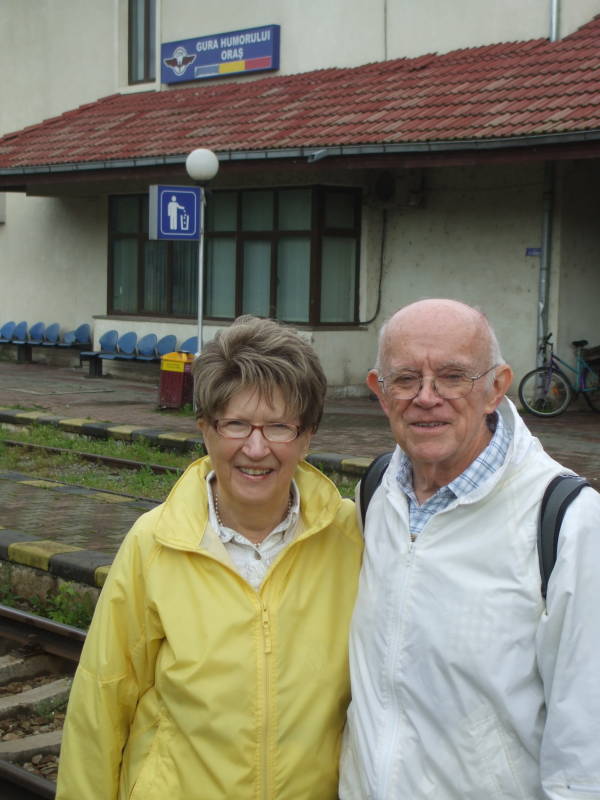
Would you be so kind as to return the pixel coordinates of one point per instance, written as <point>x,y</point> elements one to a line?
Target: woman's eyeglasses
<point>278,432</point>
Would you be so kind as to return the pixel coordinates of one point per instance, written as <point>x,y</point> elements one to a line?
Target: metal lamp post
<point>202,165</point>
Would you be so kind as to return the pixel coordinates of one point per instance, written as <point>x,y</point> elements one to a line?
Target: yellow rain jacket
<point>192,685</point>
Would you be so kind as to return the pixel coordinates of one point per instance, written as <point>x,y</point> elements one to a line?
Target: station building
<point>370,154</point>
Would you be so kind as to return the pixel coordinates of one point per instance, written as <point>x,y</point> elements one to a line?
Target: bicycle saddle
<point>580,343</point>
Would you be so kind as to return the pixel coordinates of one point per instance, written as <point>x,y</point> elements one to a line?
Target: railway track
<point>18,629</point>
<point>108,461</point>
<point>30,647</point>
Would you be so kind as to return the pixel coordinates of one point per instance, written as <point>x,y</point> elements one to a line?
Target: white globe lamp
<point>202,165</point>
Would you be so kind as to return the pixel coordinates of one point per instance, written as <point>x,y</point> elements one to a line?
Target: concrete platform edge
<point>165,439</point>
<point>64,561</point>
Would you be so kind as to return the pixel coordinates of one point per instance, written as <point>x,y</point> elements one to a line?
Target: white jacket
<point>464,686</point>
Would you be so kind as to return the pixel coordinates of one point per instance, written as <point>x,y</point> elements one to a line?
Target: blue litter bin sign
<point>175,212</point>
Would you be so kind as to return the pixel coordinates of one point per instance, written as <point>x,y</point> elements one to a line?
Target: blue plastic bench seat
<point>51,335</point>
<point>125,348</point>
<point>189,346</point>
<point>108,344</point>
<point>167,344</point>
<point>80,337</point>
<point>20,338</point>
<point>6,331</point>
<point>146,348</point>
<point>36,333</point>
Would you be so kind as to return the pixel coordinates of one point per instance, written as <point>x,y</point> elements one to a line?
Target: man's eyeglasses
<point>278,432</point>
<point>448,384</point>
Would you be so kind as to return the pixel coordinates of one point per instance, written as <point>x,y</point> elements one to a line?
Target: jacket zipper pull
<point>266,629</point>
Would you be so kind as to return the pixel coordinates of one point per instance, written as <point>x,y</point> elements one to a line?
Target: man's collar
<point>486,463</point>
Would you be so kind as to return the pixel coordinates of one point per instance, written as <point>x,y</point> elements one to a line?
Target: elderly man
<point>464,683</point>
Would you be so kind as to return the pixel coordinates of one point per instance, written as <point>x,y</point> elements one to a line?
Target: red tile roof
<point>518,89</point>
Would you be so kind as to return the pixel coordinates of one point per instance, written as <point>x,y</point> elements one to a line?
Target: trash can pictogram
<point>176,386</point>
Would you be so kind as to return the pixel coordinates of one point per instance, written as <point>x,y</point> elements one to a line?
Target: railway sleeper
<point>17,667</point>
<point>40,700</point>
<point>25,748</point>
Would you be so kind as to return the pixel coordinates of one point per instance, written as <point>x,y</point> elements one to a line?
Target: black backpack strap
<point>371,480</point>
<point>559,493</point>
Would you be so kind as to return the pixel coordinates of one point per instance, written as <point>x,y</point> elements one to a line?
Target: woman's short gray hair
<point>265,355</point>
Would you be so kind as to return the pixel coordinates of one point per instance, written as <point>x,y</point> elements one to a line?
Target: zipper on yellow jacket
<point>266,637</point>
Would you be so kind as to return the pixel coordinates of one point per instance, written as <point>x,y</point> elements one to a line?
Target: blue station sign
<point>175,212</point>
<point>221,54</point>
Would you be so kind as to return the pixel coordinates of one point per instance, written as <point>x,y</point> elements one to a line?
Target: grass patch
<point>67,605</point>
<point>68,468</point>
<point>138,450</point>
<point>186,410</point>
<point>346,484</point>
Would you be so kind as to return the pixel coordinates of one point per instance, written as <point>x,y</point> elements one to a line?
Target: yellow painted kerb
<point>100,574</point>
<point>76,422</point>
<point>356,462</point>
<point>177,437</point>
<point>37,554</point>
<point>122,431</point>
<point>30,414</point>
<point>106,497</point>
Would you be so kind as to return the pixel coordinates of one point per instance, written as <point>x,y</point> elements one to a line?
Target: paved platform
<point>73,533</point>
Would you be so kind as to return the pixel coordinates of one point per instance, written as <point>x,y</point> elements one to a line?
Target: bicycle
<point>547,391</point>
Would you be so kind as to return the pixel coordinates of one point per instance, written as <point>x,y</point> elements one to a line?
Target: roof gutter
<point>312,154</point>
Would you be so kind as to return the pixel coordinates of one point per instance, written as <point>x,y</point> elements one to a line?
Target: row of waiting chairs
<point>42,335</point>
<point>127,347</point>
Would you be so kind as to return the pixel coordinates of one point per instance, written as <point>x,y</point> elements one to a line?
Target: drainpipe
<point>546,256</point>
<point>385,30</point>
<point>554,19</point>
<point>547,219</point>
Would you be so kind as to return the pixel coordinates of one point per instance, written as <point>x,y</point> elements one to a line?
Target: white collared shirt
<point>252,561</point>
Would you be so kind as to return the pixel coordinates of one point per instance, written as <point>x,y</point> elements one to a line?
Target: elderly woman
<point>216,664</point>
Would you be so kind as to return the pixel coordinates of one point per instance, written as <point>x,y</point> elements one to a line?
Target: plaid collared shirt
<point>486,463</point>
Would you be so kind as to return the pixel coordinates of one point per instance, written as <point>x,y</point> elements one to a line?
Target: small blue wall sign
<point>175,212</point>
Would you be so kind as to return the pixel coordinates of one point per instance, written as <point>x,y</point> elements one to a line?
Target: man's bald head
<point>437,318</point>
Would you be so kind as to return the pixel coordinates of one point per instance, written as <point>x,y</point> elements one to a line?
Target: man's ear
<point>502,381</point>
<point>374,385</point>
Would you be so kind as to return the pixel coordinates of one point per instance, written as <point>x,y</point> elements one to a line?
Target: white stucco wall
<point>343,33</point>
<point>53,260</point>
<point>58,55</point>
<point>577,251</point>
<point>428,26</point>
<point>468,242</point>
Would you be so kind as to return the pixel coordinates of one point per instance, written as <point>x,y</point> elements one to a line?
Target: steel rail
<point>17,783</point>
<point>52,637</point>
<point>111,461</point>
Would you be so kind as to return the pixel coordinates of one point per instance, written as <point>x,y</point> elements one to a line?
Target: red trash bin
<point>176,388</point>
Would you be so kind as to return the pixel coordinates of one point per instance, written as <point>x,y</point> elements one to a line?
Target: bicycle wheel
<point>591,389</point>
<point>545,393</point>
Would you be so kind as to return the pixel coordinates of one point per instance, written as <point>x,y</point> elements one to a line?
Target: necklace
<point>220,521</point>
